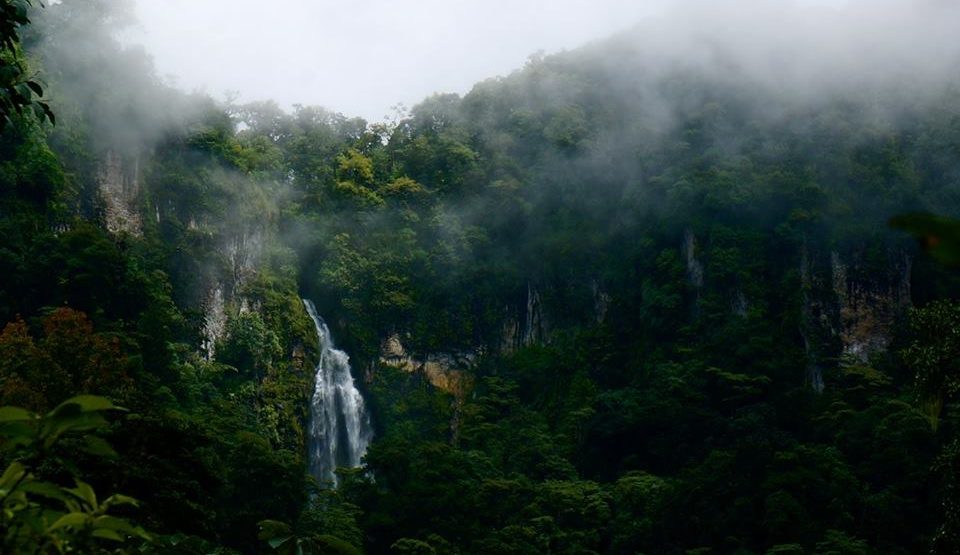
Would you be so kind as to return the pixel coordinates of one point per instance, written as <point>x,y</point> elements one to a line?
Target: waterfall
<point>339,426</point>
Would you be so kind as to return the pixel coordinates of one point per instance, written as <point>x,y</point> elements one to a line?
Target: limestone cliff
<point>526,324</point>
<point>691,257</point>
<point>241,252</point>
<point>534,318</point>
<point>850,305</point>
<point>870,303</point>
<point>448,372</point>
<point>118,183</point>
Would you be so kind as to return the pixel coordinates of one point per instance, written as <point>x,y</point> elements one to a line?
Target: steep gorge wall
<point>528,322</point>
<point>542,312</point>
<point>850,306</point>
<point>230,254</point>
<point>241,252</point>
<point>870,302</point>
<point>524,325</point>
<point>850,300</point>
<point>448,372</point>
<point>119,181</point>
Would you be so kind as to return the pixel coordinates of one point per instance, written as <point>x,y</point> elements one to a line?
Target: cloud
<point>796,47</point>
<point>362,57</point>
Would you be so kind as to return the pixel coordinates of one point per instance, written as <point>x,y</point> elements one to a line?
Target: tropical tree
<point>42,516</point>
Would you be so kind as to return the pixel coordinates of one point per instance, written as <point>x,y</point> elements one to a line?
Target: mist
<point>366,58</point>
<point>361,58</point>
<point>797,51</point>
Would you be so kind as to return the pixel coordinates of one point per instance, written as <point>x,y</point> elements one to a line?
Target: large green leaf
<point>55,426</point>
<point>86,403</point>
<point>96,445</point>
<point>17,433</point>
<point>72,519</point>
<point>117,499</point>
<point>14,414</point>
<point>277,542</point>
<point>86,493</point>
<point>108,534</point>
<point>13,474</point>
<point>45,489</point>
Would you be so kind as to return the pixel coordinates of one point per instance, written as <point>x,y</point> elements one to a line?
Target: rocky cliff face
<point>214,320</point>
<point>693,263</point>
<point>118,181</point>
<point>448,372</point>
<point>818,322</point>
<point>242,252</point>
<point>526,325</point>
<point>601,301</point>
<point>239,247</point>
<point>850,306</point>
<point>533,322</point>
<point>870,303</point>
<point>694,268</point>
<point>739,304</point>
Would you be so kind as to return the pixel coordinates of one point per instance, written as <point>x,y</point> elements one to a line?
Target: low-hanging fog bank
<point>363,58</point>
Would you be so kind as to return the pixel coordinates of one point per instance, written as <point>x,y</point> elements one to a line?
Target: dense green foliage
<point>40,516</point>
<point>18,90</point>
<point>660,318</point>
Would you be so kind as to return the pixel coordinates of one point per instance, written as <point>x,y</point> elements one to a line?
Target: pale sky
<point>361,57</point>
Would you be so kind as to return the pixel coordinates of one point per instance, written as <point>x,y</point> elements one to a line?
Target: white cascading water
<point>340,427</point>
